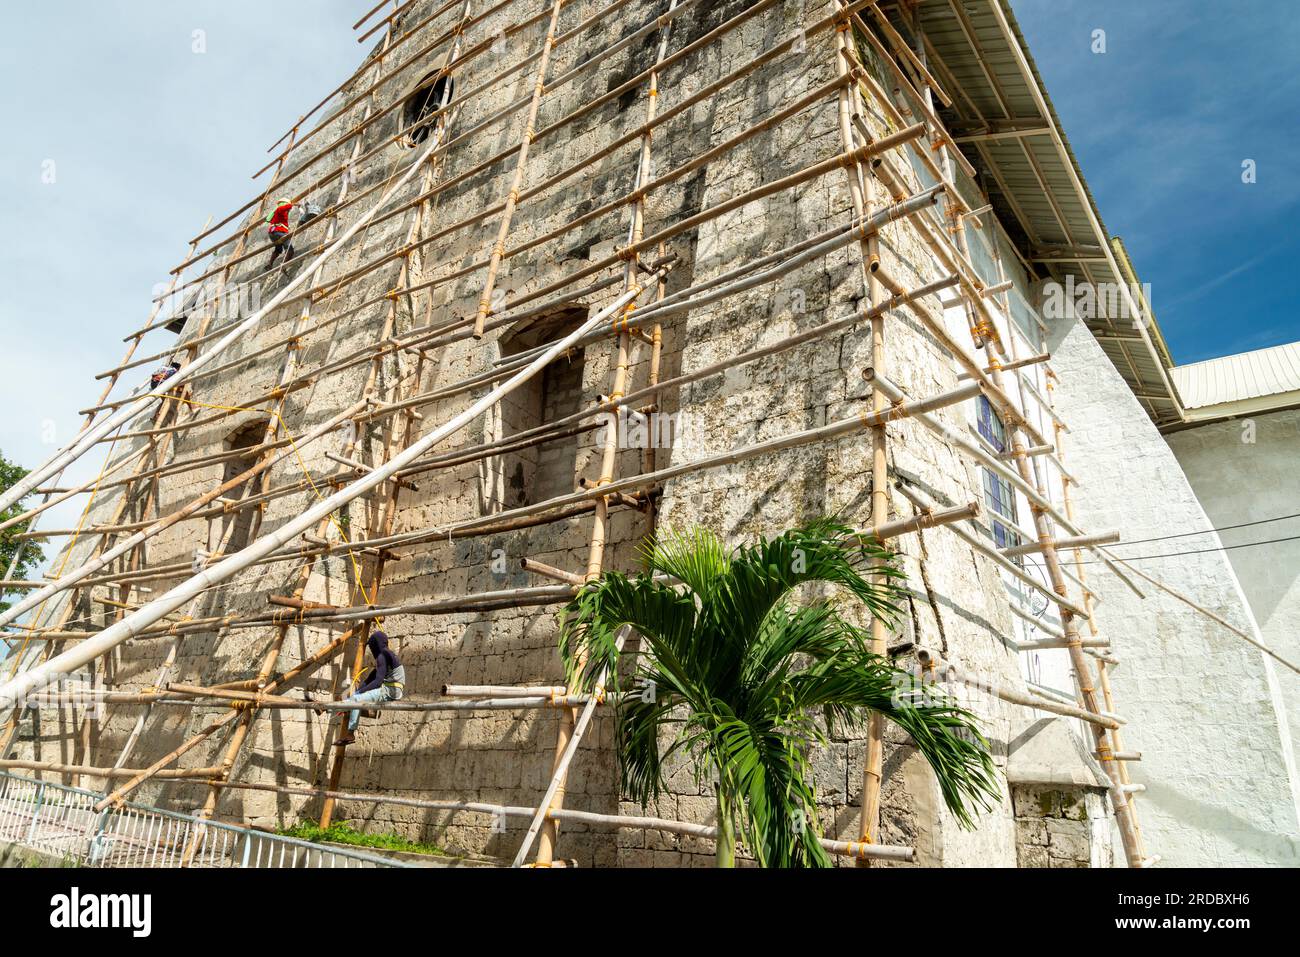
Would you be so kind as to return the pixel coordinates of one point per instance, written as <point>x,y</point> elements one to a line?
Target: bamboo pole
<point>873,760</point>
<point>106,773</point>
<point>1217,619</point>
<point>933,666</point>
<point>501,691</point>
<point>502,703</point>
<point>1075,542</point>
<point>547,806</point>
<point>521,163</point>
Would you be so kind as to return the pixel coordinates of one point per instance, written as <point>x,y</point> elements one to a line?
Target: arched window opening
<point>247,439</point>
<point>421,110</point>
<point>535,472</point>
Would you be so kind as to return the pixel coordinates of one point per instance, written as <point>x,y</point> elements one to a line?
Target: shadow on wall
<point>1222,823</point>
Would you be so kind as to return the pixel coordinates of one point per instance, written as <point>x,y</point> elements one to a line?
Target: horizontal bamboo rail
<point>106,773</point>
<point>1076,541</point>
<point>503,703</point>
<point>933,666</point>
<point>882,852</point>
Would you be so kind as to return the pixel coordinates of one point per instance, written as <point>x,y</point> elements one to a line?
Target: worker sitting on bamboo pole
<point>164,373</point>
<point>384,682</point>
<point>279,231</point>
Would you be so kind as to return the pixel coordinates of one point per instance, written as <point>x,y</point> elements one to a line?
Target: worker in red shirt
<point>279,231</point>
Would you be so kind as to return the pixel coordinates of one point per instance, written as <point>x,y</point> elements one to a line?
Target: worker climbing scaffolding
<point>384,682</point>
<point>163,373</point>
<point>279,232</point>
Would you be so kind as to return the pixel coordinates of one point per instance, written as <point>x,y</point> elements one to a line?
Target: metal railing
<point>61,822</point>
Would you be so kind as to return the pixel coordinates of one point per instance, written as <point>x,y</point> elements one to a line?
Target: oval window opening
<point>420,114</point>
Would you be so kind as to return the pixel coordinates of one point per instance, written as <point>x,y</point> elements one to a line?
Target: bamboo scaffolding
<point>106,773</point>
<point>85,570</point>
<point>513,107</point>
<point>1068,610</point>
<point>53,497</point>
<point>751,355</point>
<point>828,432</point>
<point>585,109</point>
<point>682,226</point>
<point>118,795</point>
<point>11,725</point>
<point>158,435</point>
<point>932,666</point>
<point>841,848</point>
<point>870,165</point>
<point>579,166</point>
<point>985,335</point>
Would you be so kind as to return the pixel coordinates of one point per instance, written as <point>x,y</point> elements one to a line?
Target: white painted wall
<point>1200,703</point>
<point>1248,470</point>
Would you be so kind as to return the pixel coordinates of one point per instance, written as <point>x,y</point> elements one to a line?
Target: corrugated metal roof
<point>1247,375</point>
<point>1031,182</point>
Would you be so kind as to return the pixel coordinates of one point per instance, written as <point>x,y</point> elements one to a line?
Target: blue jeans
<point>377,696</point>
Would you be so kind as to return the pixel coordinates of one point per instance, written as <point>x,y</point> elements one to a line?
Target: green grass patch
<point>340,832</point>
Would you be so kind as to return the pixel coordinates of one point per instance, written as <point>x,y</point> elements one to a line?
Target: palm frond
<point>696,557</point>
<point>762,574</point>
<point>852,684</point>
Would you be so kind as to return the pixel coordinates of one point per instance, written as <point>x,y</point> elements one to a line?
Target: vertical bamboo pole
<point>1105,752</point>
<point>512,198</point>
<point>569,718</point>
<point>849,102</point>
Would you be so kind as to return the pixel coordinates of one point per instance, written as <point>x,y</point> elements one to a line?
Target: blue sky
<point>1161,122</point>
<point>149,137</point>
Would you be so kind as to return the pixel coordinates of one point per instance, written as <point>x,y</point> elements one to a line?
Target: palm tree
<point>744,681</point>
